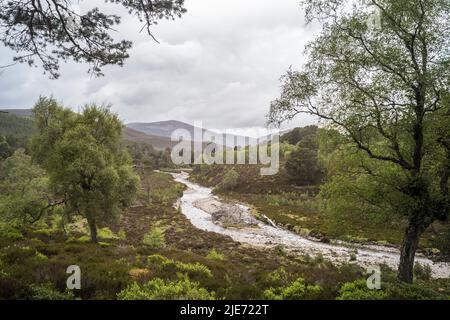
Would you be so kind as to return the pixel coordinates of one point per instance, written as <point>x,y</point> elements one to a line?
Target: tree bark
<point>408,252</point>
<point>93,229</point>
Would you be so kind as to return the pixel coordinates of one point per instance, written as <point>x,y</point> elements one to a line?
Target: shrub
<point>214,255</point>
<point>167,196</point>
<point>229,180</point>
<point>48,292</point>
<point>194,269</point>
<point>302,165</point>
<point>297,290</point>
<point>82,239</point>
<point>294,199</point>
<point>283,288</point>
<point>357,290</point>
<point>40,257</point>
<point>279,250</point>
<point>162,264</point>
<point>17,254</point>
<point>422,272</point>
<point>9,232</point>
<point>106,234</point>
<point>122,235</point>
<point>158,262</point>
<point>158,289</point>
<point>155,238</point>
<point>404,291</point>
<point>442,242</point>
<point>278,278</point>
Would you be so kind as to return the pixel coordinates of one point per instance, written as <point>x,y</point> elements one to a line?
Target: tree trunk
<point>93,229</point>
<point>408,252</point>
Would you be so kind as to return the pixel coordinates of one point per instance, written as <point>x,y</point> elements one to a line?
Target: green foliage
<point>168,266</point>
<point>349,189</point>
<point>387,100</point>
<point>229,181</point>
<point>442,243</point>
<point>302,165</point>
<point>286,149</point>
<point>194,269</point>
<point>357,290</point>
<point>24,189</point>
<point>155,238</point>
<point>47,292</point>
<point>106,234</point>
<point>282,289</point>
<point>15,130</point>
<point>278,278</point>
<point>215,255</point>
<point>159,289</point>
<point>10,233</point>
<point>279,250</point>
<point>422,272</point>
<point>297,135</point>
<point>5,149</point>
<point>86,163</point>
<point>293,199</point>
<point>145,156</point>
<point>66,35</point>
<point>167,196</point>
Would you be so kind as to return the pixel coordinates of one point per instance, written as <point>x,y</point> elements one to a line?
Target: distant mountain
<point>18,112</point>
<point>165,129</point>
<point>161,128</point>
<point>158,142</point>
<point>158,134</point>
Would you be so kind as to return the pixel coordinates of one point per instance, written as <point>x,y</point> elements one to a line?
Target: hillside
<point>17,125</point>
<point>166,128</point>
<point>158,142</point>
<point>161,128</point>
<point>18,112</point>
<point>17,130</point>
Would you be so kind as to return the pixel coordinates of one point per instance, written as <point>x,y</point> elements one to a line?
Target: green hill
<point>16,130</point>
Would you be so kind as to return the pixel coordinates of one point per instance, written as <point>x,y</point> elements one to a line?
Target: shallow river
<point>265,235</point>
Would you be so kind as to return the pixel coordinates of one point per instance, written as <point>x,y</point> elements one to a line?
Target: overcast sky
<point>220,64</point>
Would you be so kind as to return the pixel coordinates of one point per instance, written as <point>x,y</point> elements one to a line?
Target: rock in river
<point>225,214</point>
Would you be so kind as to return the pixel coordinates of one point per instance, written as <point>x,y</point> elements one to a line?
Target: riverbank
<point>200,205</point>
<point>299,210</point>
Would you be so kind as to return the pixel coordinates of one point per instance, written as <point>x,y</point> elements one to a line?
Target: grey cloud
<point>220,64</point>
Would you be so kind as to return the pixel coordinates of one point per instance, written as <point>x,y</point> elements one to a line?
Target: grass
<point>214,255</point>
<point>155,238</point>
<point>192,263</point>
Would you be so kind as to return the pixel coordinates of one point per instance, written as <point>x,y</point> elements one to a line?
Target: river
<point>265,235</point>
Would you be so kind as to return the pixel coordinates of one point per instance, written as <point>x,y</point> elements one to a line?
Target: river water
<point>264,235</point>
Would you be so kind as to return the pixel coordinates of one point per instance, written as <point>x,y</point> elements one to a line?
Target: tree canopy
<point>5,149</point>
<point>385,90</point>
<point>302,164</point>
<point>298,134</point>
<point>47,32</point>
<point>89,169</point>
<point>24,189</point>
